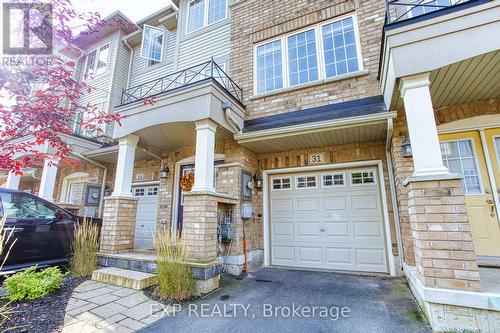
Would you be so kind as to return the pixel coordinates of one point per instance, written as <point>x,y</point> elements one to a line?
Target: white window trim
<point>282,189</point>
<point>497,157</point>
<point>205,16</point>
<point>363,170</point>
<point>333,180</point>
<point>139,188</point>
<point>94,67</point>
<point>162,44</point>
<point>319,52</point>
<point>476,163</point>
<point>307,187</point>
<point>152,187</point>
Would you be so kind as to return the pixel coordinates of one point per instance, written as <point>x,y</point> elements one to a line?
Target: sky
<point>133,9</point>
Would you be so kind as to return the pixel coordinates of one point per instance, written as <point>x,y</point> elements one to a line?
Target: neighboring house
<point>297,121</point>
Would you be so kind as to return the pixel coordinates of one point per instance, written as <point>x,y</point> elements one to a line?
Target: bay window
<point>202,13</point>
<point>152,44</point>
<point>324,51</point>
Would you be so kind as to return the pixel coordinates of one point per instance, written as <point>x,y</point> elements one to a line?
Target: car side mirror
<point>59,215</point>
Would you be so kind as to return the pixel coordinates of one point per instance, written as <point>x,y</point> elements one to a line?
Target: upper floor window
<point>97,61</point>
<point>324,51</point>
<point>152,44</point>
<point>205,12</point>
<point>269,67</point>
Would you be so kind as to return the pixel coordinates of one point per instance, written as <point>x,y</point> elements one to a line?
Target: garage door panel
<point>280,206</point>
<point>328,227</point>
<point>336,229</point>
<point>334,203</point>
<point>308,205</point>
<point>309,255</point>
<point>338,255</point>
<point>367,229</point>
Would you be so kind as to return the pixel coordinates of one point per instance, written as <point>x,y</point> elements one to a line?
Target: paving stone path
<point>100,307</point>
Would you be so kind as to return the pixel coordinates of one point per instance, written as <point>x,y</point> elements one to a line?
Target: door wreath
<point>187,182</point>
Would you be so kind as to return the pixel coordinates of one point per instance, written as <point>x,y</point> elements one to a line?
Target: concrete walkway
<point>99,307</point>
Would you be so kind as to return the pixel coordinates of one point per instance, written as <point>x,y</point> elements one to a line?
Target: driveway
<point>280,300</point>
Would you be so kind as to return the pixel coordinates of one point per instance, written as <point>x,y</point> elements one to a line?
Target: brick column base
<point>444,252</point>
<point>118,224</point>
<point>199,228</point>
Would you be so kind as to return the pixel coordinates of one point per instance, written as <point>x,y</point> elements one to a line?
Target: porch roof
<point>360,107</point>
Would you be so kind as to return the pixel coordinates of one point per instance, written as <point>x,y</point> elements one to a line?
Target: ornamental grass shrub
<point>85,247</point>
<point>175,276</point>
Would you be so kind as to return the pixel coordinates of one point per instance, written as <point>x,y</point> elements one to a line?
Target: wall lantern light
<point>406,147</point>
<point>258,182</point>
<point>164,172</point>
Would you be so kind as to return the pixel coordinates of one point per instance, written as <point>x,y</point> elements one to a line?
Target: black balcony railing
<point>401,10</point>
<point>209,70</point>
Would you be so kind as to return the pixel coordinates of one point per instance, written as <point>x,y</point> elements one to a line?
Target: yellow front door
<point>463,154</point>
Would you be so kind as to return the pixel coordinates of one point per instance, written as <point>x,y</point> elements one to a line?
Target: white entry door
<point>328,220</point>
<point>145,222</point>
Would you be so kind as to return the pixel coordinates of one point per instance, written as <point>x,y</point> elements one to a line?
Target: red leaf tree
<point>40,101</point>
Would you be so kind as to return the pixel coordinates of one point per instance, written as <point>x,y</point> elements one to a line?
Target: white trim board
<point>377,163</point>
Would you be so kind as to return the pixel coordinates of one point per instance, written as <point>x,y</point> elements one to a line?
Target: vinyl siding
<point>142,73</point>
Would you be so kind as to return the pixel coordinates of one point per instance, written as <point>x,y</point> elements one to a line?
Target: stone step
<point>135,261</point>
<point>124,277</point>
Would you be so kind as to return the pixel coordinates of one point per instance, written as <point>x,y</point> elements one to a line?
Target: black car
<point>43,231</point>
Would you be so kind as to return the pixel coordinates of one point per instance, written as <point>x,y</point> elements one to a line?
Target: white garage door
<point>147,209</point>
<point>328,220</point>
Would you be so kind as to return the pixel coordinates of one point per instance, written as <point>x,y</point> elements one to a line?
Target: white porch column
<point>125,165</point>
<point>48,180</point>
<point>424,139</point>
<point>205,156</point>
<point>13,181</point>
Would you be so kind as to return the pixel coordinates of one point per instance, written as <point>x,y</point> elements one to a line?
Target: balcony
<point>208,71</point>
<point>417,10</point>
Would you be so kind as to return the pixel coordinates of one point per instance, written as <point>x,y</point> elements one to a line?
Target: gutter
<point>104,178</point>
<point>392,186</point>
<point>314,127</point>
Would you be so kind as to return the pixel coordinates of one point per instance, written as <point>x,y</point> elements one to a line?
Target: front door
<point>463,153</point>
<point>185,169</point>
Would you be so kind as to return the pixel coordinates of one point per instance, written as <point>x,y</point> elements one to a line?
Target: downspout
<point>129,73</point>
<point>489,167</point>
<point>392,186</point>
<point>104,178</point>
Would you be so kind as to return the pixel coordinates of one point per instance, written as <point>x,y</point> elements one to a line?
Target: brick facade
<point>256,21</point>
<point>444,252</point>
<point>118,225</point>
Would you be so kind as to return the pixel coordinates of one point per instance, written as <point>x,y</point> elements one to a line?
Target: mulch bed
<point>42,315</point>
<point>152,293</point>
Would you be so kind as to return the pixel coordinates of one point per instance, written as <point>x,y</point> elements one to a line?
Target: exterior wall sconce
<point>406,147</point>
<point>164,172</point>
<point>258,182</point>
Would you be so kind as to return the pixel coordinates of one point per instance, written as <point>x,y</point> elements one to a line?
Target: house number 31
<point>316,158</point>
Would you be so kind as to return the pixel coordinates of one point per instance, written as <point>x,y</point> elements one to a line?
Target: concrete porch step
<point>124,277</point>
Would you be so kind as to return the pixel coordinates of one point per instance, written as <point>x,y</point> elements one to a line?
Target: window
<point>152,191</point>
<point>306,181</point>
<point>89,64</point>
<point>205,12</point>
<point>269,67</point>
<point>362,177</point>
<point>325,51</point>
<point>334,179</point>
<point>427,7</point>
<point>282,184</point>
<point>96,62</point>
<point>302,58</point>
<point>152,44</point>
<point>139,192</point>
<point>21,206</point>
<point>339,47</point>
<point>75,192</point>
<point>102,60</point>
<point>458,157</point>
